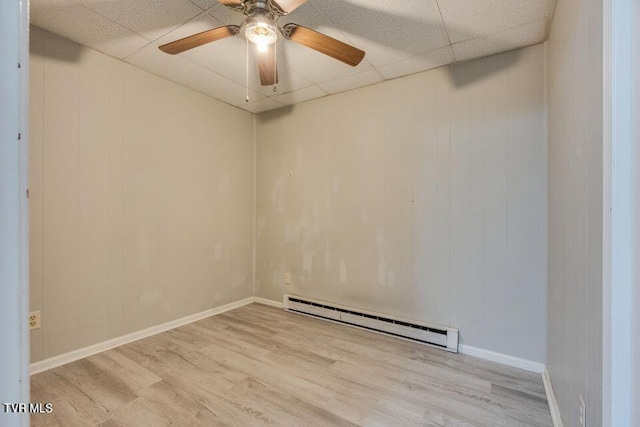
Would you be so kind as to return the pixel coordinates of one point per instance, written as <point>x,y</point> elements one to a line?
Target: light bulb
<point>262,34</point>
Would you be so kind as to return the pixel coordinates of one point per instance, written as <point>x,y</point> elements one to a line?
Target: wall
<point>141,198</point>
<point>423,197</point>
<point>575,62</point>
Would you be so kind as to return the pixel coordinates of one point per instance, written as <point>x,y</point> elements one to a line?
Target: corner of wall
<point>255,185</point>
<point>546,199</point>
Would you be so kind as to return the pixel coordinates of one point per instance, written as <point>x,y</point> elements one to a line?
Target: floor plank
<point>259,365</point>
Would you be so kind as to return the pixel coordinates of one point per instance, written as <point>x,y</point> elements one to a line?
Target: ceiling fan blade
<point>289,6</point>
<point>323,44</point>
<point>199,39</point>
<point>267,67</point>
<point>231,3</point>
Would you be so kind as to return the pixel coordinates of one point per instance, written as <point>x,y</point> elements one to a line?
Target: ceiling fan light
<point>262,34</point>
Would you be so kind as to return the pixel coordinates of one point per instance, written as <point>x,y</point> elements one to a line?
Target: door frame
<point>621,239</point>
<point>14,214</point>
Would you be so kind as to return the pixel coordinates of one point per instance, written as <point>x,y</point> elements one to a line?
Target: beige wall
<point>423,197</point>
<point>141,198</point>
<point>575,62</point>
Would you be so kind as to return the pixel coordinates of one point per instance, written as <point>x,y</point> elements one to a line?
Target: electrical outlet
<point>583,412</point>
<point>34,320</point>
<point>287,278</point>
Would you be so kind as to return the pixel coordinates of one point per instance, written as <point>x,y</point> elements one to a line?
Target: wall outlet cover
<point>34,320</point>
<point>287,278</point>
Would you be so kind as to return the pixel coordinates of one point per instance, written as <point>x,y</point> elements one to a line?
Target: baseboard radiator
<point>442,337</point>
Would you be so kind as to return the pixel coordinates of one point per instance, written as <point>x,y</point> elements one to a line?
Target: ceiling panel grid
<point>400,37</point>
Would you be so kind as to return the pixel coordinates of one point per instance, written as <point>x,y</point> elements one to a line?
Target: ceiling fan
<point>261,28</point>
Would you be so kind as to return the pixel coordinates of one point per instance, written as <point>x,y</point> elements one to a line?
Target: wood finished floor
<point>259,365</point>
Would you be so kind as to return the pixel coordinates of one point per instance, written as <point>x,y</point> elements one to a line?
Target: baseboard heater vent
<point>436,336</point>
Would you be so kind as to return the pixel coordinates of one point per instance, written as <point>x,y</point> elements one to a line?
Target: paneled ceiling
<point>400,37</point>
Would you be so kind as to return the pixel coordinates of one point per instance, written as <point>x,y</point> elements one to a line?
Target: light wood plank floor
<point>259,365</point>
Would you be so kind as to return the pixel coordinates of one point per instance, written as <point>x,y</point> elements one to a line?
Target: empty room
<point>320,212</point>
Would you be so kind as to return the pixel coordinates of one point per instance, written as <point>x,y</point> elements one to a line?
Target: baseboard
<point>551,399</point>
<point>74,355</point>
<point>504,359</point>
<point>265,301</point>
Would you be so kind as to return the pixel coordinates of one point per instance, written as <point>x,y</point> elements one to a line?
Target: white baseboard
<point>505,359</point>
<point>551,399</point>
<point>74,355</point>
<point>81,353</point>
<point>265,301</point>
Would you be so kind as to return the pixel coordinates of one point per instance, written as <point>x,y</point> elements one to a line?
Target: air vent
<point>432,335</point>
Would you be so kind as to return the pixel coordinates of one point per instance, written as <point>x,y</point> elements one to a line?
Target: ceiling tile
<point>501,42</point>
<point>467,19</point>
<point>388,30</point>
<point>191,75</point>
<point>259,106</point>
<point>227,57</point>
<point>226,15</point>
<point>427,61</point>
<point>301,95</point>
<point>151,18</point>
<point>76,22</point>
<point>352,81</point>
<point>204,4</point>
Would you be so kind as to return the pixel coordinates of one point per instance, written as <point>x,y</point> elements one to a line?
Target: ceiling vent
<point>441,337</point>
